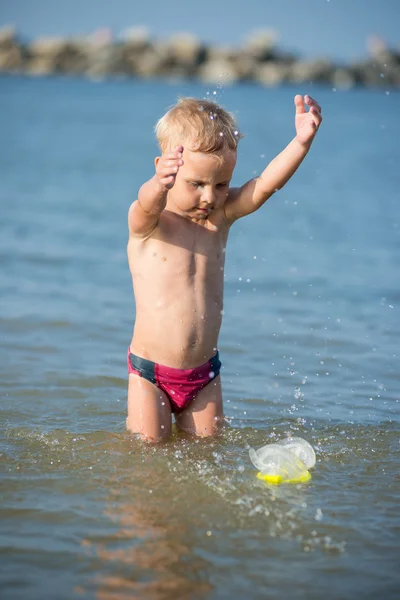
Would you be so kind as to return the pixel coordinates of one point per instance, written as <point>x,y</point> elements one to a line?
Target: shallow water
<point>309,347</point>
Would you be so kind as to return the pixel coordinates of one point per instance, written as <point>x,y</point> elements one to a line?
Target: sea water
<point>310,348</point>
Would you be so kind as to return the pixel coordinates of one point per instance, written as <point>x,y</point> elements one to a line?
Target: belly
<point>178,319</point>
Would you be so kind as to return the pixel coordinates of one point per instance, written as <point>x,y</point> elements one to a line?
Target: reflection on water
<point>175,514</point>
<point>151,553</point>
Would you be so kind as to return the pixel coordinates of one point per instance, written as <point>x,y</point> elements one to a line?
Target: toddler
<point>178,230</point>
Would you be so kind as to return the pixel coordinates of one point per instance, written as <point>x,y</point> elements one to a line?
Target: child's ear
<point>156,161</point>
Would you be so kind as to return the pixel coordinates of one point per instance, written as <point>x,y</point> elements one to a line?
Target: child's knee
<point>208,429</point>
<point>152,434</point>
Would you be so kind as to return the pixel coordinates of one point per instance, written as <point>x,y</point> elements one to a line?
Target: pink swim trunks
<point>180,385</point>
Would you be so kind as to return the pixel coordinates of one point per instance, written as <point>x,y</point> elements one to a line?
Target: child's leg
<point>149,410</point>
<point>204,415</point>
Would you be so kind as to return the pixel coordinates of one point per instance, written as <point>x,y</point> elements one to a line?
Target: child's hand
<point>168,166</point>
<point>307,123</point>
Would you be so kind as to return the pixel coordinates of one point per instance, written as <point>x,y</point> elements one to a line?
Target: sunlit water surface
<point>309,345</point>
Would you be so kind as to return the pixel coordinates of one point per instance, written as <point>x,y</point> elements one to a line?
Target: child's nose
<point>209,196</point>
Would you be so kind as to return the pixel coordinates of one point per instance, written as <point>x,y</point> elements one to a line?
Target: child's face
<point>202,183</point>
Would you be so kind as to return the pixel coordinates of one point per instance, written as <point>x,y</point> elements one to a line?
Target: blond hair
<point>205,125</point>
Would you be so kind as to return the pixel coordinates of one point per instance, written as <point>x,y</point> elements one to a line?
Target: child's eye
<point>221,185</point>
<point>195,184</point>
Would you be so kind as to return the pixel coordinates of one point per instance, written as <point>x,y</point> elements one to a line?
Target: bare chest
<point>181,251</point>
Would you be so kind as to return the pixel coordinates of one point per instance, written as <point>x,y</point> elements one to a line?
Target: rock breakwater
<point>185,56</point>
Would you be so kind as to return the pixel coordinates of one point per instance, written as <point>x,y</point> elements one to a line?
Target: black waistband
<point>144,366</point>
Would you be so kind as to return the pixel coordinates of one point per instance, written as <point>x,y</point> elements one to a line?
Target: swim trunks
<point>180,385</point>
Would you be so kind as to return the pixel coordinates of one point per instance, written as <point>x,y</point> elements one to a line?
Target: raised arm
<point>248,198</point>
<point>146,210</point>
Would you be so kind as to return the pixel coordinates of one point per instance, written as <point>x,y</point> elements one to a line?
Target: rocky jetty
<point>183,56</point>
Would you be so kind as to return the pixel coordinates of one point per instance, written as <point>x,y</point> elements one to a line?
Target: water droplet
<point>318,514</point>
<point>211,374</point>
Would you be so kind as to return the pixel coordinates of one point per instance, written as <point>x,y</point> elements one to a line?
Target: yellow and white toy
<point>286,461</point>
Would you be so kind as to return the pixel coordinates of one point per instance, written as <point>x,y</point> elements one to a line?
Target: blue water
<point>310,346</point>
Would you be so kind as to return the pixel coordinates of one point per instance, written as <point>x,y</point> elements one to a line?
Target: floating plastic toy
<point>286,461</point>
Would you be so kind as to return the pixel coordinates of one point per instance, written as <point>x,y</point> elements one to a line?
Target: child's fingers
<point>167,180</point>
<point>171,158</point>
<point>167,171</point>
<point>169,161</point>
<point>316,117</point>
<point>299,104</point>
<point>172,162</point>
<point>169,166</point>
<point>177,153</point>
<point>311,102</point>
<point>315,112</point>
